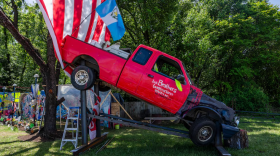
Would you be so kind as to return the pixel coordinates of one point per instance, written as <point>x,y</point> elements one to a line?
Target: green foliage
<point>246,97</point>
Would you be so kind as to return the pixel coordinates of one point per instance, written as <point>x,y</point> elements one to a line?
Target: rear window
<point>142,56</point>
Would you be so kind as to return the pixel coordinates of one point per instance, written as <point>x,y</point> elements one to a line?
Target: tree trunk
<point>239,140</point>
<point>50,77</point>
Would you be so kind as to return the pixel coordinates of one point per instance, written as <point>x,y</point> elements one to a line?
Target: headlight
<point>236,120</point>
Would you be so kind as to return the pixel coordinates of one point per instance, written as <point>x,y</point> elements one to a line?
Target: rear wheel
<point>83,78</point>
<point>202,131</point>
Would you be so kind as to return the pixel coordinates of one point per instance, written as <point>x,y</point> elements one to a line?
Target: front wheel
<point>202,131</point>
<point>83,78</point>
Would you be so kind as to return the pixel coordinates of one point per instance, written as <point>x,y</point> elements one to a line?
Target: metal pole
<point>14,100</point>
<point>60,115</point>
<point>98,127</point>
<point>84,114</point>
<point>35,101</point>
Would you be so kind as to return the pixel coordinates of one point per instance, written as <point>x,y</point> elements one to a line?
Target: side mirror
<point>181,78</point>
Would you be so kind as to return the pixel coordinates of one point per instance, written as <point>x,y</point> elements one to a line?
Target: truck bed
<point>110,63</point>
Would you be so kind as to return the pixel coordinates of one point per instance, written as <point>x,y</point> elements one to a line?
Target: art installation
<point>32,107</point>
<point>7,105</point>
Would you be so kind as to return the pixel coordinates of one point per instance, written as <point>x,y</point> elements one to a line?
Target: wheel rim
<point>205,133</point>
<point>81,77</point>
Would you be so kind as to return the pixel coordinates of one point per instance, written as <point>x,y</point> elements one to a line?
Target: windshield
<point>189,78</point>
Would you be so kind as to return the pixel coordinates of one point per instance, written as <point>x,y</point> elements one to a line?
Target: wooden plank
<point>94,142</point>
<point>115,109</point>
<point>104,99</point>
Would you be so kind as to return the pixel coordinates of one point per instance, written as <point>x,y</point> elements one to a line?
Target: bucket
<point>117,126</point>
<point>31,125</point>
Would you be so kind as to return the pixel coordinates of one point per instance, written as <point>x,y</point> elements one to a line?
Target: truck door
<point>159,83</point>
<point>133,70</point>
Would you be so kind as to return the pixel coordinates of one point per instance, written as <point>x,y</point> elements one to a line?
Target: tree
<point>50,70</point>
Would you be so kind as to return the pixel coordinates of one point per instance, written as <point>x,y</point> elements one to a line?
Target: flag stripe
<point>94,3</point>
<point>51,30</point>
<point>49,7</point>
<point>68,18</point>
<point>98,29</point>
<point>78,6</point>
<point>58,18</point>
<point>102,35</point>
<point>107,35</point>
<point>95,22</point>
<point>108,19</point>
<point>85,19</point>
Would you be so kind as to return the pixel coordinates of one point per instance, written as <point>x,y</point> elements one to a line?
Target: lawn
<point>264,139</point>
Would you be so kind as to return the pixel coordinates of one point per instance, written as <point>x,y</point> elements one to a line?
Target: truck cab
<point>151,75</point>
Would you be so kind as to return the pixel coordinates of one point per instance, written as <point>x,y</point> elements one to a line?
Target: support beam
<point>84,114</point>
<point>98,127</point>
<point>218,141</point>
<point>141,126</point>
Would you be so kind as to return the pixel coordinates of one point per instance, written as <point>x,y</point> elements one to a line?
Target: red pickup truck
<point>152,76</point>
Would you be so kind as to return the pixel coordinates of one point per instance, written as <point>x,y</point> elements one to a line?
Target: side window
<point>167,67</point>
<point>142,56</point>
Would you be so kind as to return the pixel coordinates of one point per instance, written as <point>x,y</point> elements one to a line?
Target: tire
<point>83,78</point>
<point>202,131</point>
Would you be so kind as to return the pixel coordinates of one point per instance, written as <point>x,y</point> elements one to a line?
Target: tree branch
<point>33,52</point>
<point>58,102</point>
<point>15,9</point>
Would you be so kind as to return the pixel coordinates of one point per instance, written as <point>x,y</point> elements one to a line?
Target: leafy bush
<point>246,97</point>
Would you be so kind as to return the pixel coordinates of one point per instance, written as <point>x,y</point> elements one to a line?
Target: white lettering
<point>163,89</point>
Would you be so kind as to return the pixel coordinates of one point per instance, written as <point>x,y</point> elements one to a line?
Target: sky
<point>275,2</point>
<point>30,1</point>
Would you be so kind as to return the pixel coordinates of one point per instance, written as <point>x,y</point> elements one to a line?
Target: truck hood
<point>197,97</point>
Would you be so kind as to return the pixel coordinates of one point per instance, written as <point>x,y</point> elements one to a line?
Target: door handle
<point>150,76</point>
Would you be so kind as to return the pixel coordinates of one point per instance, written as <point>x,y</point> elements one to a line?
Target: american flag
<point>76,18</point>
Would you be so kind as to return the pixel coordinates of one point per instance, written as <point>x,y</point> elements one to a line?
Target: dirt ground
<point>33,138</point>
<point>37,137</point>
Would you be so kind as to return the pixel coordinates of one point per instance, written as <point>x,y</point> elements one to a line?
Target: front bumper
<point>229,131</point>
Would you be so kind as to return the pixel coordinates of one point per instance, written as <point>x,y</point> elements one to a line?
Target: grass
<point>264,139</point>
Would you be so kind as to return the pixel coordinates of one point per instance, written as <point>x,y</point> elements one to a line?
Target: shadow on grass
<point>142,142</point>
<point>45,148</point>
